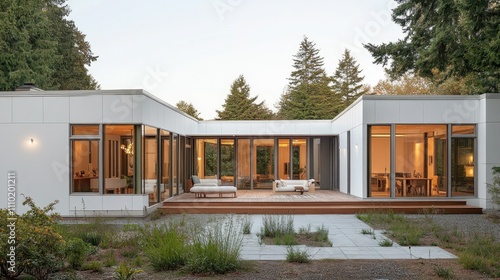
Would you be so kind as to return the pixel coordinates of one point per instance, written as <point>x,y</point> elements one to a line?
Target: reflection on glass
<point>206,154</point>
<point>299,159</point>
<point>462,167</point>
<point>243,164</point>
<point>227,161</point>
<point>463,129</point>
<point>84,130</point>
<point>263,163</point>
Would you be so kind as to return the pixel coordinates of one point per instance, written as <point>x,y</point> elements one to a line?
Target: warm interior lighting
<point>129,148</point>
<point>469,171</point>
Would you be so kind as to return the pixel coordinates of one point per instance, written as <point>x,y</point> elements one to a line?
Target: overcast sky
<point>193,50</point>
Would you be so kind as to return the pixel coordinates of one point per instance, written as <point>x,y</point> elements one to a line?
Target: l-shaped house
<point>123,152</point>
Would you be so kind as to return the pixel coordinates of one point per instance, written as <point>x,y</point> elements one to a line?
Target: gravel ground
<point>469,224</point>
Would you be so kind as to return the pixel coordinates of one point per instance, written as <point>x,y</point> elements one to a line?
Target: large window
<point>85,158</point>
<point>119,159</point>
<point>299,160</point>
<point>462,160</point>
<point>379,161</point>
<point>420,167</point>
<point>284,167</point>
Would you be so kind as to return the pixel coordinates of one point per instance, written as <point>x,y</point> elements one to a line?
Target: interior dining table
<point>414,182</point>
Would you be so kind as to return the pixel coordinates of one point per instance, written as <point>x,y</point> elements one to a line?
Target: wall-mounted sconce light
<point>31,140</point>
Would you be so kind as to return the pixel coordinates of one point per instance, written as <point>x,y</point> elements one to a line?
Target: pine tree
<point>307,86</point>
<point>347,80</point>
<point>240,106</point>
<point>189,109</point>
<point>39,45</point>
<point>458,39</point>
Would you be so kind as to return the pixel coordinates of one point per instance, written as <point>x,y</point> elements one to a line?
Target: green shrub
<point>494,188</point>
<point>216,248</point>
<point>125,272</point>
<point>445,273</point>
<point>305,230</point>
<point>94,266</point>
<point>94,238</point>
<point>277,225</point>
<point>366,231</point>
<point>297,255</point>
<point>385,243</point>
<point>481,254</point>
<point>76,251</point>
<point>247,224</point>
<point>109,259</point>
<point>164,246</point>
<point>39,247</point>
<point>286,239</point>
<point>321,234</point>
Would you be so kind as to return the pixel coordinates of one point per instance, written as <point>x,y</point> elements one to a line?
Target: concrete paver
<point>346,236</point>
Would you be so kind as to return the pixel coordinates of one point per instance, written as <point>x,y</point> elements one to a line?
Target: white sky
<point>193,50</point>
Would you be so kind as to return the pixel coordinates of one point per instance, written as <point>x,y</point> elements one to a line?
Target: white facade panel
<point>137,108</point>
<point>343,162</point>
<point>6,110</point>
<point>434,111</point>
<point>85,109</point>
<point>229,128</point>
<point>56,109</point>
<point>243,128</point>
<point>91,202</point>
<point>387,111</point>
<point>117,108</point>
<point>461,111</point>
<point>41,166</point>
<point>27,110</point>
<point>303,128</point>
<point>358,164</point>
<point>492,109</point>
<point>369,111</point>
<point>412,111</point>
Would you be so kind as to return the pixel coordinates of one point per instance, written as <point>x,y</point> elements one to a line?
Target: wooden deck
<point>318,202</point>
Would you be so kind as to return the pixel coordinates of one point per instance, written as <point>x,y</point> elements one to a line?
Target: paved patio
<point>348,242</point>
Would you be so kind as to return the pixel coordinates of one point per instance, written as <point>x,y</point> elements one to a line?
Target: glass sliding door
<point>299,159</point>
<point>227,161</point>
<point>207,159</point>
<point>284,167</point>
<point>417,172</point>
<point>462,167</point>
<point>263,163</point>
<point>150,164</point>
<point>243,164</point>
<point>379,164</point>
<point>175,163</point>
<point>166,178</point>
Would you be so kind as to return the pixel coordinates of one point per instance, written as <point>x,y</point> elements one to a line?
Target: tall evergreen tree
<point>307,87</point>
<point>347,80</point>
<point>189,109</point>
<point>39,45</point>
<point>240,106</point>
<point>459,39</point>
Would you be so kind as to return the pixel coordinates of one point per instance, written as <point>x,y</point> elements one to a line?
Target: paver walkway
<point>348,242</point>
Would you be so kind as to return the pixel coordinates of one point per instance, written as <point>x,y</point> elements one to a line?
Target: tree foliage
<point>458,39</point>
<point>38,44</point>
<point>407,84</point>
<point>347,81</point>
<point>240,106</point>
<point>189,109</point>
<point>308,87</point>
